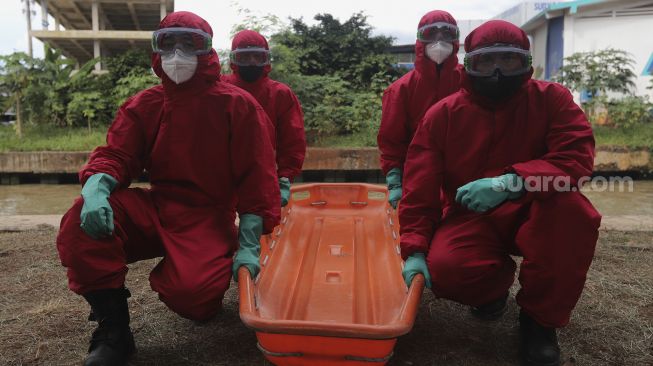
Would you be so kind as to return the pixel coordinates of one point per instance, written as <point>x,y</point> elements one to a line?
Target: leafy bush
<point>333,107</point>
<point>598,72</point>
<point>347,49</point>
<point>629,111</point>
<point>132,62</point>
<point>132,84</point>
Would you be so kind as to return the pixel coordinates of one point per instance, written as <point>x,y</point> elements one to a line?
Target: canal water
<point>46,199</point>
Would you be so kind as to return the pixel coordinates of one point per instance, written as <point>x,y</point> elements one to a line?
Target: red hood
<point>249,38</point>
<point>490,33</point>
<point>208,66</point>
<point>423,64</point>
<point>496,31</point>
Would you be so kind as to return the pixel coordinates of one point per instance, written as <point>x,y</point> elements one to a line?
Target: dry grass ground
<point>42,323</point>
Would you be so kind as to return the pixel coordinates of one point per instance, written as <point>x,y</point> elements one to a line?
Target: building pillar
<point>28,13</point>
<point>44,19</point>
<point>95,21</point>
<point>44,14</point>
<point>568,35</point>
<point>162,9</point>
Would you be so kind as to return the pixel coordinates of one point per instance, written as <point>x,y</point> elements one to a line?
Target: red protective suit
<point>206,147</point>
<point>407,99</point>
<point>538,132</point>
<point>281,105</point>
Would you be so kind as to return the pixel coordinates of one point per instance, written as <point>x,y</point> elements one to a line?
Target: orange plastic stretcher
<point>330,290</point>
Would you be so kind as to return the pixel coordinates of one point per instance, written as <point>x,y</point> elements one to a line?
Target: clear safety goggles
<point>253,56</point>
<point>510,60</point>
<point>189,40</point>
<point>440,31</point>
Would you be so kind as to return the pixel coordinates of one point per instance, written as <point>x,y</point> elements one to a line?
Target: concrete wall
<point>538,50</point>
<point>608,159</point>
<point>628,33</point>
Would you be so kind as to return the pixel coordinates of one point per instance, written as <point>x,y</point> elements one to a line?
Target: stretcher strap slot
<point>333,277</point>
<point>358,203</point>
<point>277,354</point>
<point>318,203</point>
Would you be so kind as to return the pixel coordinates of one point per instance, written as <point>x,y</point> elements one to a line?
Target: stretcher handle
<point>247,303</point>
<point>418,281</point>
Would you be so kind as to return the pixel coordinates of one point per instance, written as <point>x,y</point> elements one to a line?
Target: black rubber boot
<point>112,342</point>
<point>539,344</point>
<point>492,310</point>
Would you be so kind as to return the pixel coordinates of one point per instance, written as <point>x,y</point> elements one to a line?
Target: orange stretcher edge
<point>401,325</point>
<point>251,319</point>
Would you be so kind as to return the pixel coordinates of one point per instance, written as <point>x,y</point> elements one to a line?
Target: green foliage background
<point>54,93</point>
<point>337,69</point>
<point>608,71</point>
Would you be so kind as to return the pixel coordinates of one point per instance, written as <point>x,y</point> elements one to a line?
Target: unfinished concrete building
<point>86,29</point>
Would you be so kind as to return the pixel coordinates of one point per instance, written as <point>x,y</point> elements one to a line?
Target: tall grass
<point>39,138</point>
<point>637,136</point>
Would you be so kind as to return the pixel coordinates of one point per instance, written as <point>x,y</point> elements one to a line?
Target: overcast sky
<point>398,19</point>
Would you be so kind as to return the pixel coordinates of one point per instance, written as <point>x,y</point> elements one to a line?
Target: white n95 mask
<point>179,67</point>
<point>438,51</point>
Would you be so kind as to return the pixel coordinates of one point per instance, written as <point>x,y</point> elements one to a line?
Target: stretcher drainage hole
<point>333,277</point>
<point>335,250</point>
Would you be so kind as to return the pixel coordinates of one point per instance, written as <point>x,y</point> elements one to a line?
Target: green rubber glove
<point>97,215</point>
<point>250,229</point>
<point>284,187</point>
<point>416,263</point>
<point>393,179</point>
<point>486,193</point>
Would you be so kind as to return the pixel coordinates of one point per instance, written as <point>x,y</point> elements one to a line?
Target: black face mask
<point>250,73</point>
<point>497,87</point>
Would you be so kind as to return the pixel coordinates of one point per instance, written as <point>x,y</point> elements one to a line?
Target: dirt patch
<point>42,323</point>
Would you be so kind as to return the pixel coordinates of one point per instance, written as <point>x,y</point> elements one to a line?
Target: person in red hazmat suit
<point>206,147</point>
<point>436,75</point>
<point>250,62</point>
<point>508,153</point>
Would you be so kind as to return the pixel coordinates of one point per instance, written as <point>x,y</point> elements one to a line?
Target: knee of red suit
<point>471,281</point>
<point>193,302</point>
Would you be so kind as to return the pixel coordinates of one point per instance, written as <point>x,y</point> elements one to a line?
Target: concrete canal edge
<point>609,159</point>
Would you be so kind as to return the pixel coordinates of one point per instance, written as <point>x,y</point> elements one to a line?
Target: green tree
<point>598,72</point>
<point>131,84</point>
<point>347,50</point>
<point>47,96</point>
<point>266,24</point>
<point>17,71</point>
<point>131,62</point>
